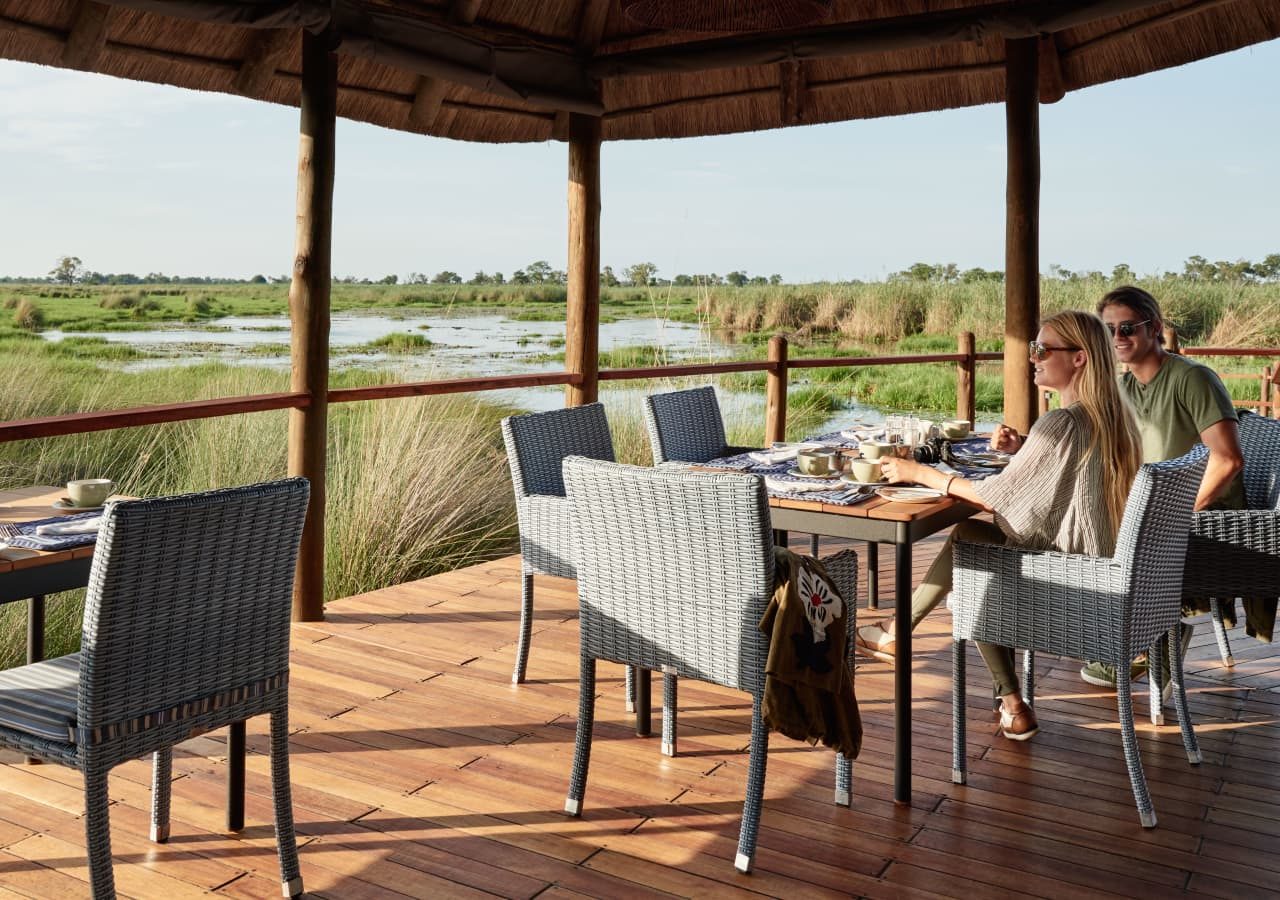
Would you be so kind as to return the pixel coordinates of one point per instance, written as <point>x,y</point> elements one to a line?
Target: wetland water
<point>462,345</point>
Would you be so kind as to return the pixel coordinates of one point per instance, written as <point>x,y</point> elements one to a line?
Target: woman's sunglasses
<point>1040,350</point>
<point>1126,329</point>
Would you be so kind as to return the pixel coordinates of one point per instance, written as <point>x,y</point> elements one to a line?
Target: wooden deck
<point>420,771</point>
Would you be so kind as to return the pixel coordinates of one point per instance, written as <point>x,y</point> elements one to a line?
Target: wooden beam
<point>88,36</point>
<point>266,51</point>
<point>999,20</point>
<point>1022,227</point>
<point>309,309</point>
<point>791,89</point>
<point>1052,88</point>
<point>592,15</point>
<point>428,96</point>
<point>1163,17</point>
<point>582,312</point>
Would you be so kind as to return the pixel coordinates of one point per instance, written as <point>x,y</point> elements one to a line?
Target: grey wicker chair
<point>686,426</point>
<point>675,570</point>
<point>186,629</point>
<point>1236,552</point>
<point>537,444</point>
<point>1087,607</point>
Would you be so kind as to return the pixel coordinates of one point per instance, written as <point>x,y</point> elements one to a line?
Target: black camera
<point>930,452</point>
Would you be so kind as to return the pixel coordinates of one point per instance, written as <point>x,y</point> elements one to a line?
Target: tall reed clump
<point>27,315</point>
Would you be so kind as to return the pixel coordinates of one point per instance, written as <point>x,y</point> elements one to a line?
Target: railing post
<point>309,309</point>
<point>775,392</point>
<point>966,386</point>
<point>1265,395</point>
<point>1171,339</point>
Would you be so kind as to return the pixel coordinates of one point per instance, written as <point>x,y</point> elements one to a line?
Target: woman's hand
<point>1006,439</point>
<point>903,470</point>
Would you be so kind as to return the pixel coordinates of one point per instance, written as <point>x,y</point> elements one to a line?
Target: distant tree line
<point>70,270</point>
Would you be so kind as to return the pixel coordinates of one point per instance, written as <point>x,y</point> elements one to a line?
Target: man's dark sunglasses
<point>1126,329</point>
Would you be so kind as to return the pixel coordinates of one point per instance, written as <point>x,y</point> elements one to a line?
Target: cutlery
<point>8,530</point>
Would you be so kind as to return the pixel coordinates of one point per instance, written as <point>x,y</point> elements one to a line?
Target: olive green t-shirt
<point>1182,400</point>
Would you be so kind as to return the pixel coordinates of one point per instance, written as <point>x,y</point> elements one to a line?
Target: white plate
<point>850,479</point>
<point>64,503</point>
<point>796,473</point>
<point>909,494</point>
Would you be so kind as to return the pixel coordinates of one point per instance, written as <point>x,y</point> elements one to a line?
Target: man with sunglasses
<point>1178,403</point>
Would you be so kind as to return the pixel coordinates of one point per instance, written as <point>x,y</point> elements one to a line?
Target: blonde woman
<point>1064,490</point>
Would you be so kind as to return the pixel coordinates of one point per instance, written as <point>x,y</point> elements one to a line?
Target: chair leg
<point>526,627</point>
<point>1155,663</point>
<point>1189,742</point>
<point>282,798</point>
<point>1220,632</point>
<point>161,792</point>
<point>1029,677</point>
<point>873,575</point>
<point>959,768</point>
<point>1146,812</point>
<point>582,738</point>
<point>97,829</point>
<point>668,713</point>
<point>751,807</point>
<point>629,687</point>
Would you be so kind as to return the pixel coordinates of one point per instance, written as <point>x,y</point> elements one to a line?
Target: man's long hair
<point>1115,430</point>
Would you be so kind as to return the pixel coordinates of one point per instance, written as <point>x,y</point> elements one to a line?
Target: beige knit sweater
<point>1050,497</point>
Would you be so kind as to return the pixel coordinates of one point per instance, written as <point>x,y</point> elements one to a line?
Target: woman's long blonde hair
<point>1115,430</point>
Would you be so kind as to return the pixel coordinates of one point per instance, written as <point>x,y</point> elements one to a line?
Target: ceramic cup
<point>89,491</point>
<point>874,449</point>
<point>955,429</point>
<point>866,470</point>
<point>814,462</point>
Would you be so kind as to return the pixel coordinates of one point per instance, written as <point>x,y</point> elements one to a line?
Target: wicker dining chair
<point>186,629</point>
<point>1087,607</point>
<point>1236,552</point>
<point>675,570</point>
<point>537,444</point>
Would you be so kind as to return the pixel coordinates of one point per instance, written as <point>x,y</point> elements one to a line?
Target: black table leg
<point>644,703</point>
<point>235,777</point>
<point>873,575</point>
<point>35,640</point>
<point>902,675</point>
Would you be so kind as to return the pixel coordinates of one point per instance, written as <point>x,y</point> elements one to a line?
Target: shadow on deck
<point>420,770</point>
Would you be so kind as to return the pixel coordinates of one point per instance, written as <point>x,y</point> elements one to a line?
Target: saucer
<point>796,473</point>
<point>909,494</point>
<point>849,479</point>
<point>65,503</point>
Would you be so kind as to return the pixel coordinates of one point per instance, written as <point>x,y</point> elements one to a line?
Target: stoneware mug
<point>874,449</point>
<point>866,470</point>
<point>89,491</point>
<point>814,462</point>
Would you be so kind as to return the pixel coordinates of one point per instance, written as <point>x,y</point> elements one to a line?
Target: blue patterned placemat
<point>29,540</point>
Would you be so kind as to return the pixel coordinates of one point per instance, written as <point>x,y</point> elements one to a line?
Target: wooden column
<point>966,381</point>
<point>309,310</point>
<point>775,392</point>
<point>582,313</point>
<point>1022,229</point>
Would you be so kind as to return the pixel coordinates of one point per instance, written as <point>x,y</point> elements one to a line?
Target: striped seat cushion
<point>40,698</point>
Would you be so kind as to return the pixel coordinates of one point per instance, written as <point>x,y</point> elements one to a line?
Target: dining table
<point>31,575</point>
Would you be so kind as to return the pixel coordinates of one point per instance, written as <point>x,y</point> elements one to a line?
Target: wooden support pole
<point>775,392</point>
<point>1022,226</point>
<point>309,309</point>
<point>966,385</point>
<point>1171,339</point>
<point>582,312</point>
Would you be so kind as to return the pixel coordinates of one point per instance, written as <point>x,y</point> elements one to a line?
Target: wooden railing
<point>776,368</point>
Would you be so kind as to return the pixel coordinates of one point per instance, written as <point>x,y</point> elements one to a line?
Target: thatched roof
<point>510,70</point>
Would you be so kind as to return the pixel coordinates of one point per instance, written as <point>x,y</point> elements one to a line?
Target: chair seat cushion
<point>40,698</point>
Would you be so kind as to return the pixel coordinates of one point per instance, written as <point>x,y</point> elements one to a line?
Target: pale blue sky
<point>137,178</point>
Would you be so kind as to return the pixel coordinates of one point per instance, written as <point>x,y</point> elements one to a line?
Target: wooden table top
<point>24,505</point>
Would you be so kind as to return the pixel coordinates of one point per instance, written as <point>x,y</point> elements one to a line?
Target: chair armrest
<point>1062,603</point>
<point>1233,553</point>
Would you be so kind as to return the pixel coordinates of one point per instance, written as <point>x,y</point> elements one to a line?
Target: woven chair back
<point>189,597</point>
<point>1152,544</point>
<point>685,426</point>
<point>674,569</point>
<point>1260,441</point>
<point>537,444</point>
